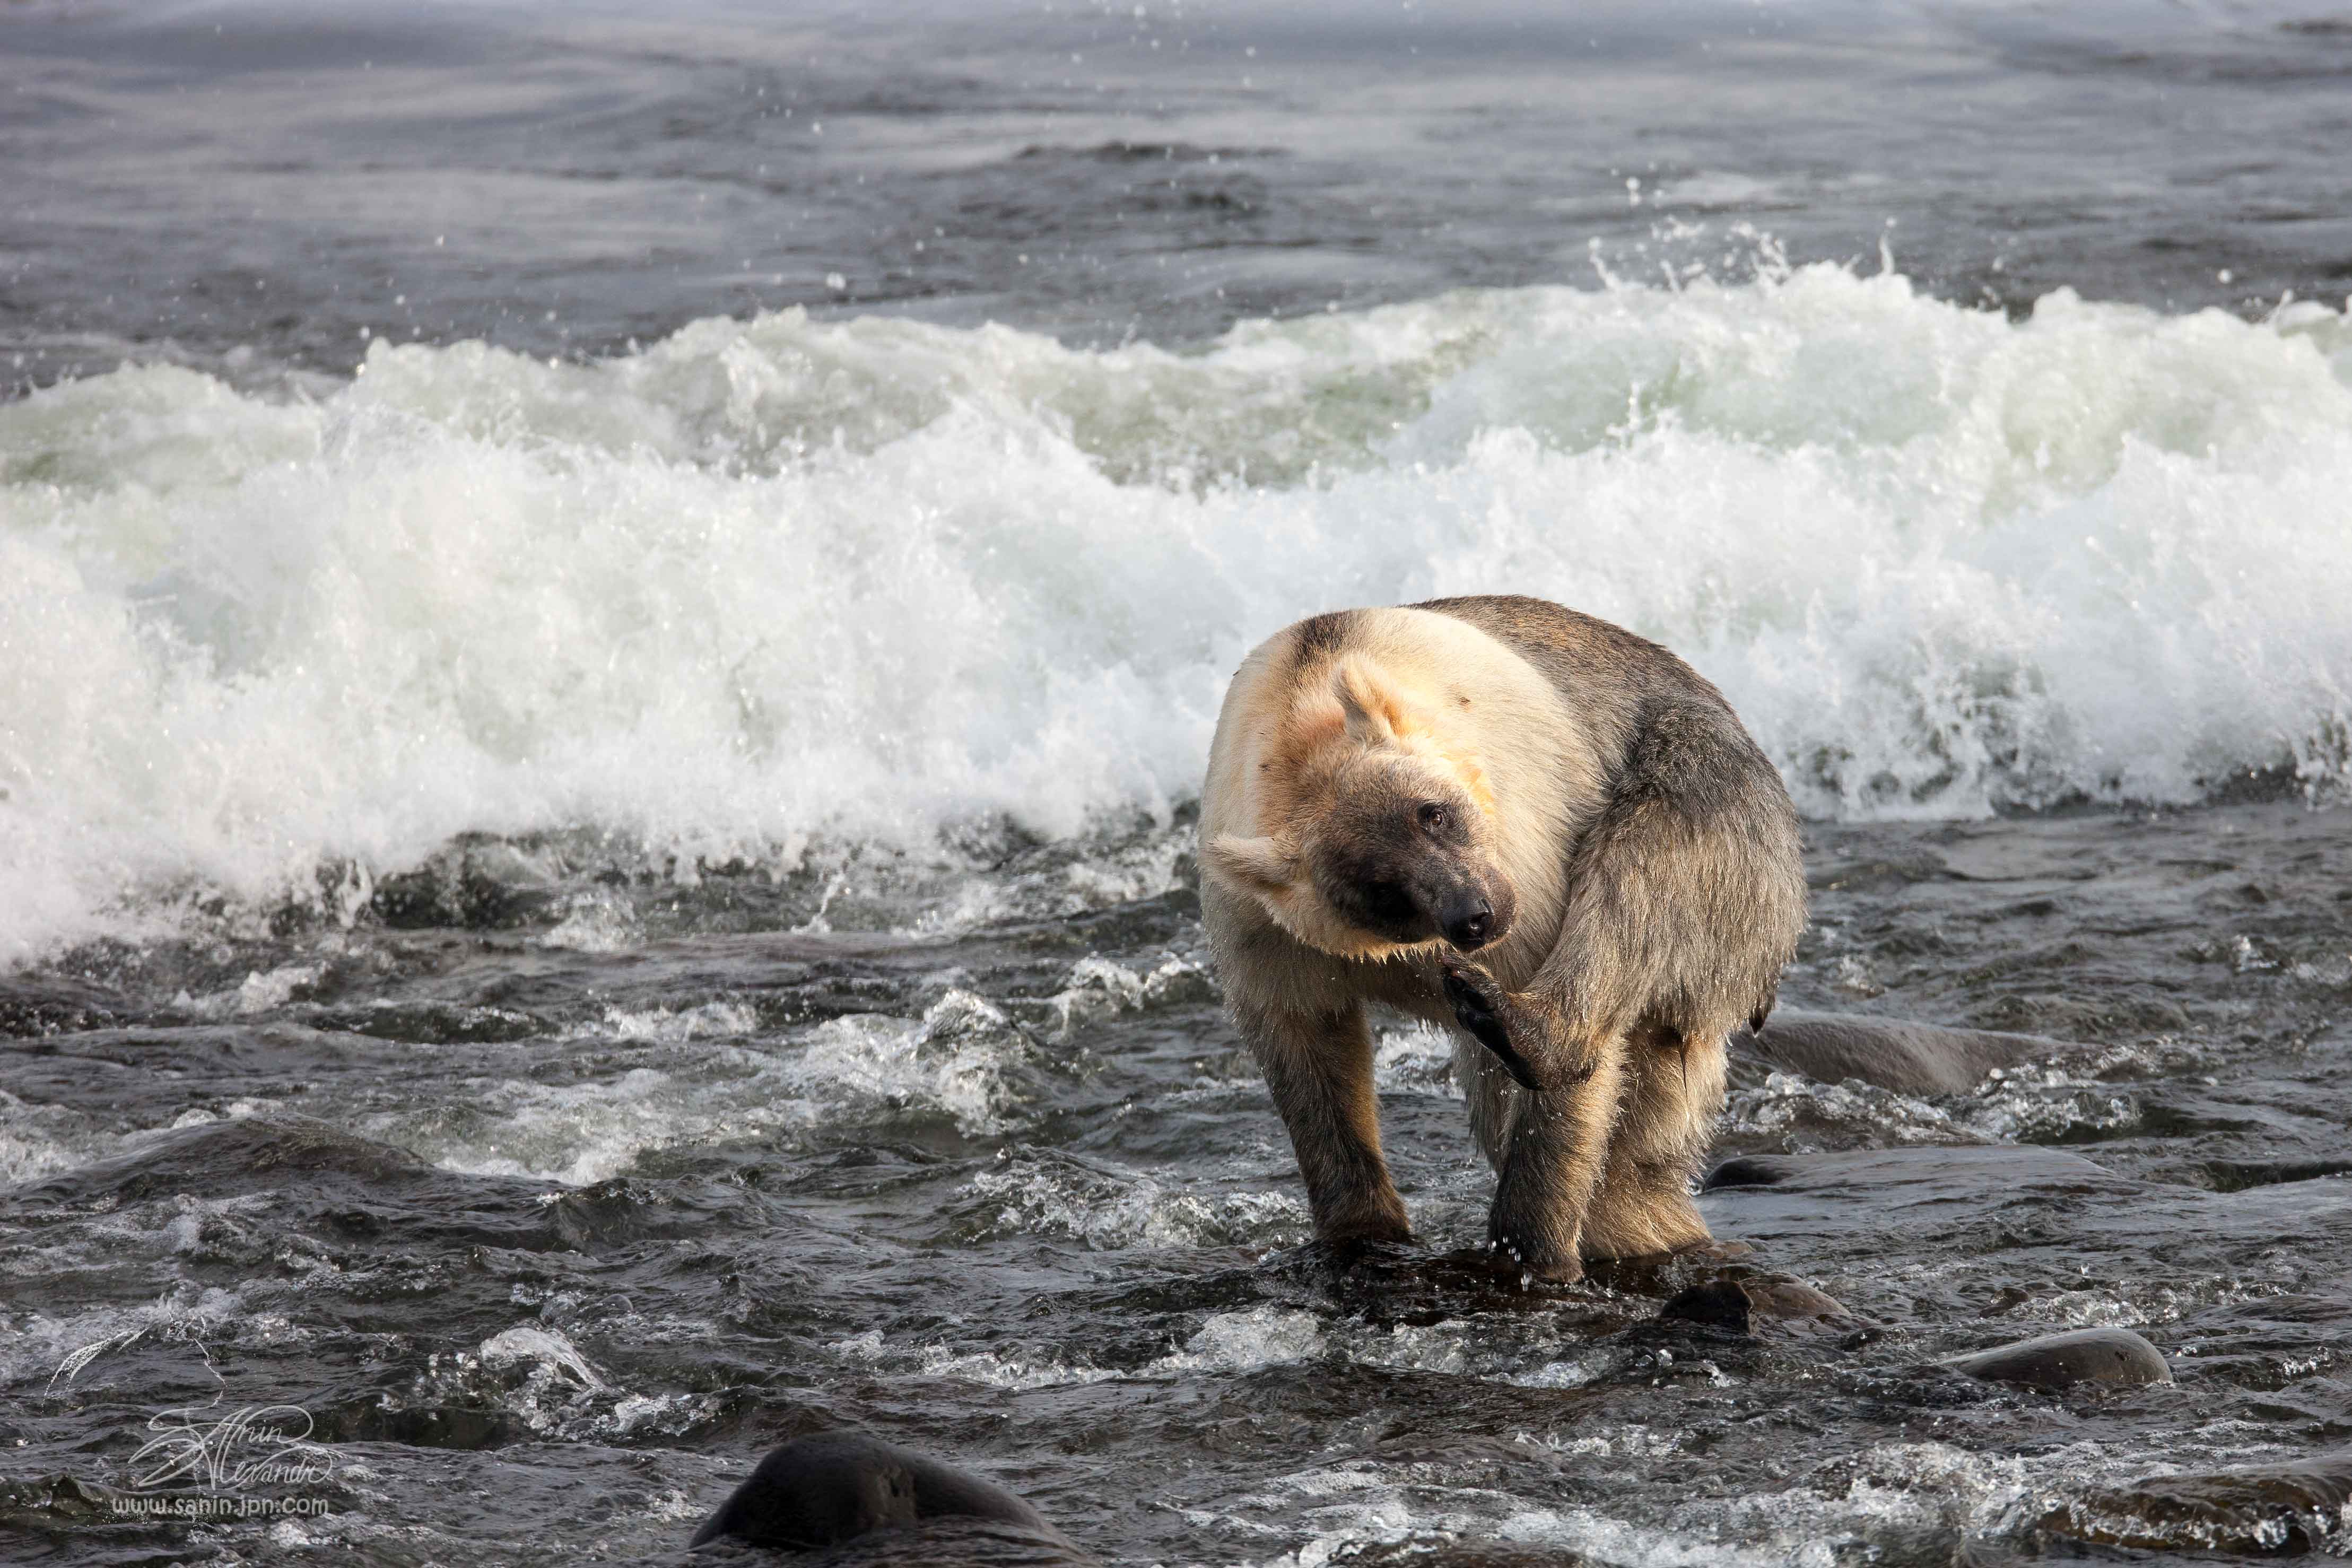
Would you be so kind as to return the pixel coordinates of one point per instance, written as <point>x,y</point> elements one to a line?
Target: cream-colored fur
<point>1424,689</point>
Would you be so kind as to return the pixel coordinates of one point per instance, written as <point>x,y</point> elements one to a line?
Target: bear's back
<point>1658,723</point>
<point>1614,676</point>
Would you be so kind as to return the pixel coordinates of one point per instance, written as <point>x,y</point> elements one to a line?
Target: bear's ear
<point>1261,866</point>
<point>1376,707</point>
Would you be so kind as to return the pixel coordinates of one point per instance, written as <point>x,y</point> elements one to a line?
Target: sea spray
<point>774,582</point>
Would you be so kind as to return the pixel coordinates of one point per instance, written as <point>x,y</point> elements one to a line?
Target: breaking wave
<point>774,584</point>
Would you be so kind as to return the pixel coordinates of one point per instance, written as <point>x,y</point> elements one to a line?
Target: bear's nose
<point>1469,925</point>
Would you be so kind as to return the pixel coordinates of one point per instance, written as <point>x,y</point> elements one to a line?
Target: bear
<point>1535,828</point>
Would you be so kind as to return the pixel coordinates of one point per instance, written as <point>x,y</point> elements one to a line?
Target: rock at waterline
<point>1934,1173</point>
<point>1870,1197</point>
<point>858,1500</point>
<point>2116,1357</point>
<point>1743,1301</point>
<point>57,1503</point>
<point>2280,1509</point>
<point>1891,1052</point>
<point>219,1159</point>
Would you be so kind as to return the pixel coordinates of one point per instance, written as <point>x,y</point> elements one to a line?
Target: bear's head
<point>1378,827</point>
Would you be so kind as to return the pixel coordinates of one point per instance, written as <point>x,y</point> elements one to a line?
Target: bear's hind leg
<point>1672,1094</point>
<point>1559,1148</point>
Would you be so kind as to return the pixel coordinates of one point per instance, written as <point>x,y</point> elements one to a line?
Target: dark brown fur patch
<point>1319,636</point>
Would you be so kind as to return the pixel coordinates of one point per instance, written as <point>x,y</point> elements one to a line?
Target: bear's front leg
<point>1319,1068</point>
<point>1559,1147</point>
<point>1489,1015</point>
<point>1521,1030</point>
<point>1559,1150</point>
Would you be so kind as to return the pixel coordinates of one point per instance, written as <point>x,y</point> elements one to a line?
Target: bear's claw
<point>1480,1008</point>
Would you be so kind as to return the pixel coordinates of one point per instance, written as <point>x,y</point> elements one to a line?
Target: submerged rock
<point>55,1501</point>
<point>2237,1175</point>
<point>2113,1356</point>
<point>1745,1300</point>
<point>1891,1052</point>
<point>1932,1172</point>
<point>1747,1171</point>
<point>2289,1508</point>
<point>956,1541</point>
<point>241,1155</point>
<point>305,1172</point>
<point>1860,1204</point>
<point>879,1503</point>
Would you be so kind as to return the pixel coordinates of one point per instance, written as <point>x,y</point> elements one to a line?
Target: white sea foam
<point>589,1131</point>
<point>1106,1207</point>
<point>721,1020</point>
<point>778,579</point>
<point>37,1140</point>
<point>1101,988</point>
<point>64,1348</point>
<point>1230,1342</point>
<point>542,1347</point>
<point>1918,1486</point>
<point>969,1367</point>
<point>1804,1114</point>
<point>963,1059</point>
<point>1505,1350</point>
<point>1248,1341</point>
<point>1415,1056</point>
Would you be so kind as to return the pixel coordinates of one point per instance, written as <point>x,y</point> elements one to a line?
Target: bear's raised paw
<point>1485,1010</point>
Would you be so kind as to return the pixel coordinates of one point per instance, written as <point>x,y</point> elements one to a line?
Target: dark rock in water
<point>955,1541</point>
<point>1866,1199</point>
<point>1984,1167</point>
<point>1893,1053</point>
<point>1747,1171</point>
<point>2113,1356</point>
<point>55,1501</point>
<point>1717,1304</point>
<point>890,1504</point>
<point>2237,1175</point>
<point>1742,1300</point>
<point>1793,1301</point>
<point>1664,1275</point>
<point>2268,1509</point>
<point>1872,1198</point>
<point>1924,1386</point>
<point>1387,1284</point>
<point>478,883</point>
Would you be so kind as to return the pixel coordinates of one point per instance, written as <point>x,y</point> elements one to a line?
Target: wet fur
<point>1650,854</point>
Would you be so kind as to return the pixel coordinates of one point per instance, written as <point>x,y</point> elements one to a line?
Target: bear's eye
<point>1434,817</point>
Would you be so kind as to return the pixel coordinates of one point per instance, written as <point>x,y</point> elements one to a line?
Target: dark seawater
<point>1016,1197</point>
<point>601,694</point>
